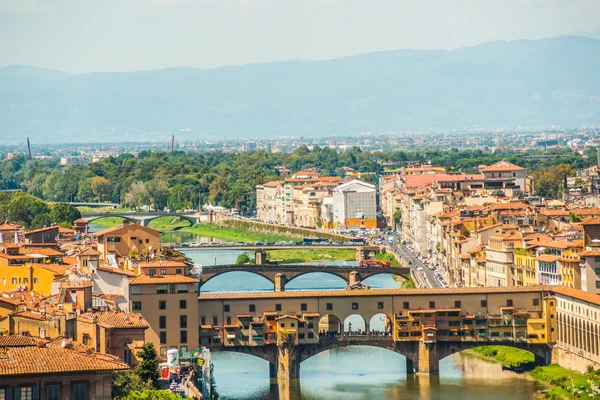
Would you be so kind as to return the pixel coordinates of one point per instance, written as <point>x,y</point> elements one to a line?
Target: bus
<point>374,264</point>
<point>357,240</point>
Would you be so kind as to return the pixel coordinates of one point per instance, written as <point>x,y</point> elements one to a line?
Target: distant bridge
<point>84,204</point>
<point>144,218</point>
<point>280,274</point>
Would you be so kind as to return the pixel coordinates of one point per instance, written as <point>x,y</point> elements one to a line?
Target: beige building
<point>119,240</point>
<point>169,304</point>
<point>499,256</point>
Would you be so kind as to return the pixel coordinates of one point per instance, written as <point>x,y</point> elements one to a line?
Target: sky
<point>81,36</point>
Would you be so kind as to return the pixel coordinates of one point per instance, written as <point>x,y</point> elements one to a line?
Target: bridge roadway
<point>143,218</point>
<point>280,274</point>
<point>424,325</point>
<point>278,247</point>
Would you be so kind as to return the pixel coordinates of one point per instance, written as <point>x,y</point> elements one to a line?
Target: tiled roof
<point>45,251</point>
<point>54,359</point>
<point>585,211</point>
<point>55,268</point>
<point>88,251</point>
<point>47,228</point>
<point>17,340</point>
<point>547,258</point>
<point>503,166</point>
<point>157,280</point>
<point>113,319</point>
<point>116,271</point>
<point>9,227</point>
<point>578,294</point>
<point>509,206</point>
<point>272,184</point>
<point>162,263</point>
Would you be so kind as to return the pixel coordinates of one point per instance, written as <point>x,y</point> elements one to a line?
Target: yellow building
<point>36,277</point>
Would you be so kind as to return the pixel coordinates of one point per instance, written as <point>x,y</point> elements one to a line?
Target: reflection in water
<point>362,372</point>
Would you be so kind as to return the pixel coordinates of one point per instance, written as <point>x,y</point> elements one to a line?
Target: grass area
<point>234,234</point>
<point>387,257</point>
<point>168,223</point>
<point>85,210</point>
<point>107,222</point>
<point>407,283</point>
<point>508,356</point>
<point>561,384</point>
<point>307,255</point>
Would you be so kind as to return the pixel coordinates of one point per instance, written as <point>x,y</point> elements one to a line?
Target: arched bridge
<point>144,218</point>
<point>280,274</point>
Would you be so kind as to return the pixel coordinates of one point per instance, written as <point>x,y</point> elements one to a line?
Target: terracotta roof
<point>30,315</point>
<point>116,271</point>
<point>590,253</point>
<point>503,166</point>
<point>54,359</point>
<point>272,184</point>
<point>55,268</point>
<point>163,263</point>
<point>578,294</point>
<point>414,181</point>
<point>17,341</point>
<point>113,319</point>
<point>88,251</point>
<point>122,226</point>
<point>9,227</point>
<point>509,206</point>
<point>81,220</point>
<point>547,258</point>
<point>45,251</point>
<point>47,228</point>
<point>157,280</point>
<point>585,211</point>
<point>555,213</point>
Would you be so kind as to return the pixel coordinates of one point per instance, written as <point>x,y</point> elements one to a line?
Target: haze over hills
<point>499,84</point>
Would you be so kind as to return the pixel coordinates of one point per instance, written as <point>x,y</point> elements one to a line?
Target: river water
<point>355,372</point>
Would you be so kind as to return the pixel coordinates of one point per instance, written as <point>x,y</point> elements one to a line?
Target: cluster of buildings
<point>102,295</point>
<point>488,229</point>
<point>308,199</point>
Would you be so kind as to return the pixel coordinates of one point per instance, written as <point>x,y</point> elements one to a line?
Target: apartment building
<point>354,205</point>
<point>499,256</point>
<point>117,241</point>
<point>590,256</point>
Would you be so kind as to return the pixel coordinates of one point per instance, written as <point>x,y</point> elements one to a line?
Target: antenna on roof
<point>29,148</point>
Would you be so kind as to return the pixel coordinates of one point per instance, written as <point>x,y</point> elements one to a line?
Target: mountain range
<point>525,83</point>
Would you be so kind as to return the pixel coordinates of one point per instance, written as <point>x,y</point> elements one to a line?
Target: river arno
<point>363,372</point>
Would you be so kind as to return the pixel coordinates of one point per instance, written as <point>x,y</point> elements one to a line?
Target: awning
<point>231,336</point>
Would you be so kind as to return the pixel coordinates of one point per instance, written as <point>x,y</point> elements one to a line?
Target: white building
<point>355,205</point>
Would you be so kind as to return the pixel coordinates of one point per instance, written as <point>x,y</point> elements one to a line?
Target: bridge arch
<point>380,323</point>
<point>188,218</point>
<point>355,324</point>
<point>208,277</point>
<point>97,217</point>
<point>330,324</point>
<point>291,276</point>
<point>388,271</point>
<point>540,352</point>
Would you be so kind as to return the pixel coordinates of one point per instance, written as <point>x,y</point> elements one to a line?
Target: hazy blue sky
<point>119,35</point>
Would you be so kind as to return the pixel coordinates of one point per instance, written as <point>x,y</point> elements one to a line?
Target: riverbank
<point>561,383</point>
<point>230,234</point>
<point>307,255</point>
<point>168,223</point>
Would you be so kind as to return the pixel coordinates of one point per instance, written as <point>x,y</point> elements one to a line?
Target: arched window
<point>127,354</point>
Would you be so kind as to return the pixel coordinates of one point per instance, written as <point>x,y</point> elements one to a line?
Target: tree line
<point>183,180</point>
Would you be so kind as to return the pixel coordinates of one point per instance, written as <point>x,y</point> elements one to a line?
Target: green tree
<point>153,395</point>
<point>147,368</point>
<point>100,187</point>
<point>137,196</point>
<point>397,217</point>
<point>63,213</point>
<point>125,382</point>
<point>159,192</point>
<point>23,209</point>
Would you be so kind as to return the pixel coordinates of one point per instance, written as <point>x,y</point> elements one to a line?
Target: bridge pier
<point>280,281</point>
<point>288,362</point>
<point>429,359</point>
<point>354,278</point>
<point>260,257</point>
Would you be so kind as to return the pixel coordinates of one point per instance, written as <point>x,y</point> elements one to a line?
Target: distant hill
<point>498,84</point>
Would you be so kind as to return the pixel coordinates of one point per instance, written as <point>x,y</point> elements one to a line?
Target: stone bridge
<point>144,218</point>
<point>281,274</point>
<point>421,357</point>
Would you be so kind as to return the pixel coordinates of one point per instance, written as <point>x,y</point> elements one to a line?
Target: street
<point>424,278</point>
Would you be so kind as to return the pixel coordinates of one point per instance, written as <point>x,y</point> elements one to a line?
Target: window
<point>292,325</point>
<point>405,305</point>
<point>172,288</point>
<point>182,336</point>
<point>136,289</point>
<point>457,304</point>
<point>303,307</point>
<point>86,339</point>
<point>52,392</point>
<point>277,307</point>
<point>163,337</point>
<point>163,351</point>
<point>136,305</point>
<point>80,391</point>
<point>509,303</point>
<point>127,353</point>
<point>14,281</point>
<point>162,304</point>
<point>161,289</point>
<point>182,304</point>
<point>282,325</point>
<point>536,302</point>
<point>432,304</point>
<point>183,349</point>
<point>202,320</point>
<point>597,259</point>
<point>215,321</point>
<point>25,280</point>
<point>300,324</point>
<point>355,306</point>
<point>147,241</point>
<point>152,272</point>
<point>163,271</point>
<point>330,306</point>
<point>226,308</point>
<point>228,320</point>
<point>597,284</point>
<point>162,322</point>
<point>113,239</point>
<point>183,321</point>
<point>597,271</point>
<point>380,305</point>
<point>27,393</point>
<point>252,308</point>
<point>311,335</point>
<point>182,288</point>
<point>483,303</point>
<point>178,271</point>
